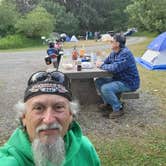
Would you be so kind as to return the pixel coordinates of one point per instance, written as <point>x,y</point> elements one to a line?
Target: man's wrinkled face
<point>47,116</point>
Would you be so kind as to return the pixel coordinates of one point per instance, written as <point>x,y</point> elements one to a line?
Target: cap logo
<point>48,88</point>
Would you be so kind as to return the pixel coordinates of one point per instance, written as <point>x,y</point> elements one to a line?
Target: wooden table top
<point>84,73</point>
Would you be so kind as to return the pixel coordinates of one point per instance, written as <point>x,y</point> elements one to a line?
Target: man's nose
<point>49,117</point>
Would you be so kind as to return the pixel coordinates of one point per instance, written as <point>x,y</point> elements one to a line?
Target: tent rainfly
<point>74,39</point>
<point>155,56</point>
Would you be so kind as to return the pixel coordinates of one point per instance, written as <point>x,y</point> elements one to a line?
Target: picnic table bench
<point>129,95</point>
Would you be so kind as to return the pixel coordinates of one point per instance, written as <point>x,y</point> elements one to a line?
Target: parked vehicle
<point>130,31</point>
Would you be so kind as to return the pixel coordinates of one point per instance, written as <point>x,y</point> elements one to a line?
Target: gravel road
<point>15,69</point>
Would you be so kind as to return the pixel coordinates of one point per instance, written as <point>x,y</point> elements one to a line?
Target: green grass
<point>18,41</point>
<point>145,33</point>
<point>149,150</point>
<point>139,49</point>
<point>81,43</point>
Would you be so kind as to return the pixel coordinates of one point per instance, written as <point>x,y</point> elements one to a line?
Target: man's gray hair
<point>20,108</point>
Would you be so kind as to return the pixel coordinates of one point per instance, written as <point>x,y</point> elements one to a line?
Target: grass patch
<point>145,33</point>
<point>139,49</point>
<point>82,43</point>
<point>21,43</point>
<point>147,151</point>
<point>18,41</point>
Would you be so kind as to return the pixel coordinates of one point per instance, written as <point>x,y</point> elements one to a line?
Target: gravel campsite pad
<point>15,68</point>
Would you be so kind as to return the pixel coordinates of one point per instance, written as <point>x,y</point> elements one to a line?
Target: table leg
<point>84,90</point>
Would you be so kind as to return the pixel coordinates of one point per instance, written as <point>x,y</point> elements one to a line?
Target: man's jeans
<point>108,90</point>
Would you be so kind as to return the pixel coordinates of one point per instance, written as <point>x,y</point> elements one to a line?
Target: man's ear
<point>23,120</point>
<point>71,117</point>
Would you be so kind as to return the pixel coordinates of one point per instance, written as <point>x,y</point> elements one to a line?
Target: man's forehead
<point>45,98</point>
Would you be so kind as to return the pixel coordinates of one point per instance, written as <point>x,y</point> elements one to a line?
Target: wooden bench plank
<point>129,95</point>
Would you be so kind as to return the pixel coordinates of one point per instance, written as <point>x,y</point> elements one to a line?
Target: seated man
<point>121,64</point>
<point>48,134</point>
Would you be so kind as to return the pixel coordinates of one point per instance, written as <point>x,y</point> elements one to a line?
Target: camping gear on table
<point>87,65</point>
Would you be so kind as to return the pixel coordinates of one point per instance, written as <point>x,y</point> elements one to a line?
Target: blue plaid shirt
<point>123,67</point>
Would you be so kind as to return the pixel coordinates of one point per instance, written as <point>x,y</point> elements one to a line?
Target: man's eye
<point>58,107</point>
<point>38,108</point>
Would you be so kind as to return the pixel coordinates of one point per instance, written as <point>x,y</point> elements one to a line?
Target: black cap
<point>46,85</point>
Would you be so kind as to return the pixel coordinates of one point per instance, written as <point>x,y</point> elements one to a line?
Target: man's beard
<point>45,152</point>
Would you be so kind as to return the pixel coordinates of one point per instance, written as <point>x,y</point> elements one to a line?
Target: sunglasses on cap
<point>54,76</point>
<point>43,82</point>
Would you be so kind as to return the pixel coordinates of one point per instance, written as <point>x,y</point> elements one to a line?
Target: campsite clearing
<point>138,137</point>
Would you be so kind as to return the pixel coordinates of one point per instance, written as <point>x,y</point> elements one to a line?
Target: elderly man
<point>121,64</point>
<point>48,135</point>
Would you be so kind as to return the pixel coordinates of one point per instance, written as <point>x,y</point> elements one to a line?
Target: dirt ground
<point>15,69</point>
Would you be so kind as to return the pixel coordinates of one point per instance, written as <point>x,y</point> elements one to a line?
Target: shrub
<point>8,18</point>
<point>18,41</point>
<point>36,23</point>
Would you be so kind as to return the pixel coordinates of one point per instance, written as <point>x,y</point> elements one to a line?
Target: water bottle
<point>93,58</point>
<point>79,66</point>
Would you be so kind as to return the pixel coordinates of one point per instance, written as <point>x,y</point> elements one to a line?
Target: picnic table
<point>82,82</point>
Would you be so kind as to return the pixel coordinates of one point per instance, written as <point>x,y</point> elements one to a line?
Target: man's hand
<point>98,64</point>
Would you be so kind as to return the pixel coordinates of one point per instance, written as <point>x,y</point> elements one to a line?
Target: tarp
<point>154,57</point>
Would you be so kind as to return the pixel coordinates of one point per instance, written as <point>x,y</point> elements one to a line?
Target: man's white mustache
<point>47,127</point>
